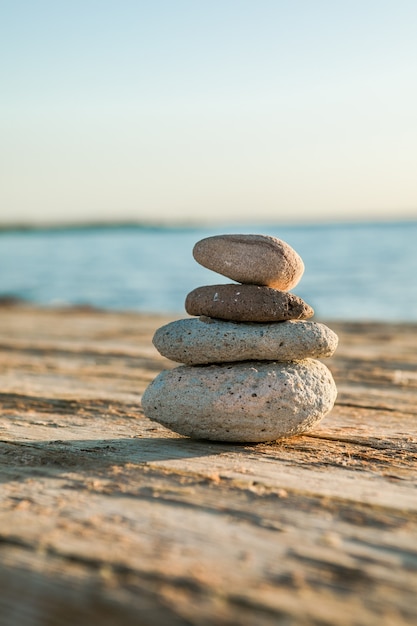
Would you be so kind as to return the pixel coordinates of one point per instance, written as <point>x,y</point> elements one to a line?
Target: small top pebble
<point>251,259</point>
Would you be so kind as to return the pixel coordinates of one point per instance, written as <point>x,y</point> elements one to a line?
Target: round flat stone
<point>244,402</point>
<point>246,303</point>
<point>251,259</point>
<point>198,341</point>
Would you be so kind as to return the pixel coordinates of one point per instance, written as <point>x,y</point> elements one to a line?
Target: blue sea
<point>358,271</point>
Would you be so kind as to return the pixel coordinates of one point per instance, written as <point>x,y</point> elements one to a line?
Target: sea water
<point>358,271</point>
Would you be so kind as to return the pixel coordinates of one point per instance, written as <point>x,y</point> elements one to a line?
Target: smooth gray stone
<point>197,341</point>
<point>246,303</point>
<point>251,259</point>
<point>243,402</point>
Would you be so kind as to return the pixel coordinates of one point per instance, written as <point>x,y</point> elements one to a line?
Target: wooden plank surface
<point>106,517</point>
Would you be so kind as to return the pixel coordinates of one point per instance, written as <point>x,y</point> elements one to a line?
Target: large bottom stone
<point>244,402</point>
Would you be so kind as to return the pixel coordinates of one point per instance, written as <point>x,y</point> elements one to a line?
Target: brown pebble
<point>246,303</point>
<point>251,259</point>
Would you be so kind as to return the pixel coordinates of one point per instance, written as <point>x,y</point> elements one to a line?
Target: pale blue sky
<point>215,109</point>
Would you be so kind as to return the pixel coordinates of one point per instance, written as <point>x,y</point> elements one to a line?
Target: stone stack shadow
<point>251,371</point>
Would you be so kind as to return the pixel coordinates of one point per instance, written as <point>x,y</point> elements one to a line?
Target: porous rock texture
<point>246,303</point>
<point>242,402</point>
<point>204,340</point>
<point>251,259</point>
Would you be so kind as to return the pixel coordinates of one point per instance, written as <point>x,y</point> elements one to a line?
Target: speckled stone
<point>251,259</point>
<point>246,303</point>
<point>198,341</point>
<point>243,402</point>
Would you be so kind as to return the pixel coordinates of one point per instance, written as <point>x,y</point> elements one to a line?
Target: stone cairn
<point>250,370</point>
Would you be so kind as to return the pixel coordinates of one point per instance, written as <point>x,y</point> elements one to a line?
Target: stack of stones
<point>250,368</point>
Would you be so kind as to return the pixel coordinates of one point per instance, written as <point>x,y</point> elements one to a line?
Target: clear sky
<point>207,109</point>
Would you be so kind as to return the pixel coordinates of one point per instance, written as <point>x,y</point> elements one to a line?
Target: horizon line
<point>147,224</point>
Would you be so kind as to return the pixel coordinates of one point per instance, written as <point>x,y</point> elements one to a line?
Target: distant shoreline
<point>87,226</point>
<point>24,227</point>
<point>25,307</point>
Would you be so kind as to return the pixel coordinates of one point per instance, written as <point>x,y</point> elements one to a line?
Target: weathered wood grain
<point>106,517</point>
